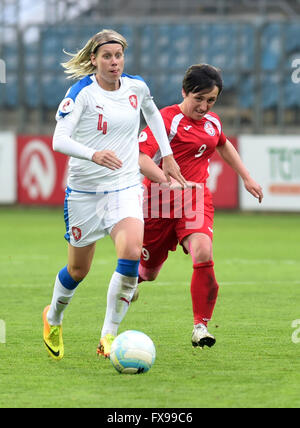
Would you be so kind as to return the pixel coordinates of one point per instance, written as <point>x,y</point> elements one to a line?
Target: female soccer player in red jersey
<point>195,132</point>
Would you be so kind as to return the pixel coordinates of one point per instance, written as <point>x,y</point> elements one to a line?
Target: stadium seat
<point>291,93</point>
<point>246,47</point>
<point>271,47</point>
<point>246,92</point>
<point>54,88</point>
<point>31,57</point>
<point>10,55</point>
<point>169,89</point>
<point>270,90</point>
<point>292,37</point>
<point>230,80</point>
<point>11,91</point>
<point>32,98</point>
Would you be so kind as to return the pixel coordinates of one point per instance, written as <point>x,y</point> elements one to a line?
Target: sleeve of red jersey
<point>147,142</point>
<point>222,138</point>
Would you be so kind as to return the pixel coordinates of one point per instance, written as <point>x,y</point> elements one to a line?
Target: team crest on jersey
<point>209,129</point>
<point>76,232</point>
<point>67,105</point>
<point>133,101</point>
<point>143,137</point>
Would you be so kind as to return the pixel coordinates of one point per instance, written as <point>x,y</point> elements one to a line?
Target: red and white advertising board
<point>41,171</point>
<point>8,187</point>
<point>223,181</point>
<point>42,175</point>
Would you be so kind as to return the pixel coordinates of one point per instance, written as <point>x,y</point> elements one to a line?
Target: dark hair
<point>202,76</point>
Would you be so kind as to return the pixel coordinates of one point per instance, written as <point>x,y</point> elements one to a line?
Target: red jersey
<point>193,142</point>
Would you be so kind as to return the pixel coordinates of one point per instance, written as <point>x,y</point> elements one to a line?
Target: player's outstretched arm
<point>157,126</point>
<point>150,170</point>
<point>171,169</point>
<point>231,156</point>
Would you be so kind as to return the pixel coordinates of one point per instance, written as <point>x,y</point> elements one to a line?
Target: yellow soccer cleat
<point>53,338</point>
<point>104,346</point>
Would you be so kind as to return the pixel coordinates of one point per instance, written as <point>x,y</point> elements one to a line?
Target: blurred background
<point>256,44</point>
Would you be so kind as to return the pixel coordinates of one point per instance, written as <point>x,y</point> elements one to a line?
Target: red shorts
<point>162,235</point>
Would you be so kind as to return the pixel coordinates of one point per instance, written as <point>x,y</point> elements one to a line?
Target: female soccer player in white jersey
<point>97,126</point>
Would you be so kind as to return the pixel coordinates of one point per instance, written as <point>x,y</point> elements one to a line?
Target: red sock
<point>204,291</point>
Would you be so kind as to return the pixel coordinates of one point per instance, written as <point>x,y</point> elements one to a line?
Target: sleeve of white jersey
<point>68,116</point>
<point>156,123</point>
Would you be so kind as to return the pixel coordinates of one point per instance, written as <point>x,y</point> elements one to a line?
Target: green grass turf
<point>253,364</point>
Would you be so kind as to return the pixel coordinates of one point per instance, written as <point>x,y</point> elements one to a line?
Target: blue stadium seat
<point>51,48</point>
<point>271,47</point>
<point>31,57</point>
<point>246,47</point>
<point>202,43</point>
<point>246,92</point>
<point>292,37</point>
<point>181,48</point>
<point>169,89</point>
<point>32,99</point>
<point>217,45</point>
<point>10,55</point>
<point>11,91</point>
<point>270,90</point>
<point>54,88</point>
<point>291,93</point>
<point>230,80</point>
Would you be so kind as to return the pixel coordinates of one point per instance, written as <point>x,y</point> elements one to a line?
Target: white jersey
<point>105,120</point>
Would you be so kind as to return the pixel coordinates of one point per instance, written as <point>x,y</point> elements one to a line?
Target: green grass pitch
<point>255,362</point>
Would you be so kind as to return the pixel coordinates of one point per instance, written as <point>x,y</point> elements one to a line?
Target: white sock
<point>120,291</point>
<point>60,300</point>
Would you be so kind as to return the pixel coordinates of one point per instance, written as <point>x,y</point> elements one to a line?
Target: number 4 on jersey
<point>102,126</point>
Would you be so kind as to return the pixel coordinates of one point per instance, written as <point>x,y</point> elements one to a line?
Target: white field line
<point>262,282</point>
<point>261,261</point>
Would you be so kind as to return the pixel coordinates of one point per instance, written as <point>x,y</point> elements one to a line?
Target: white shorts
<point>91,216</point>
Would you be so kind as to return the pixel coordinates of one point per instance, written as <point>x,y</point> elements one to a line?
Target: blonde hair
<point>80,64</point>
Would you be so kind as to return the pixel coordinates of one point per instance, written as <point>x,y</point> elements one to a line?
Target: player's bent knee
<point>148,274</point>
<point>202,257</point>
<point>78,273</point>
<point>151,277</point>
<point>202,254</point>
<point>152,274</point>
<point>132,253</point>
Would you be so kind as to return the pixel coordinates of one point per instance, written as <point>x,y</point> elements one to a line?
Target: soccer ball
<point>132,352</point>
